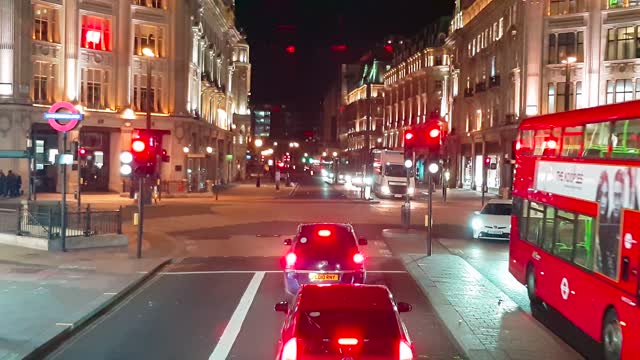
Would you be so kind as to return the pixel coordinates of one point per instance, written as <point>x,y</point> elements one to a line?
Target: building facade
<point>363,110</point>
<point>261,122</point>
<point>90,53</point>
<point>415,87</point>
<point>509,62</point>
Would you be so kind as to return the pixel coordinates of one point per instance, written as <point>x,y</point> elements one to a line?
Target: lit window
<point>45,24</point>
<point>96,33</point>
<point>94,91</point>
<point>564,45</point>
<point>140,93</point>
<point>148,36</point>
<point>623,43</point>
<point>551,96</point>
<point>156,4</point>
<point>42,84</point>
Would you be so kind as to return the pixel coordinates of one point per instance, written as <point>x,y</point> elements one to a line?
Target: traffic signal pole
<point>140,216</point>
<point>484,181</point>
<point>430,214</point>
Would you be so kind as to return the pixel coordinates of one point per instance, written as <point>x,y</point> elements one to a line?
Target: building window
<point>156,4</point>
<point>621,3</point>
<point>551,96</point>
<point>45,24</point>
<point>560,7</point>
<point>96,33</point>
<point>623,43</point>
<point>140,93</point>
<point>42,84</point>
<point>560,100</point>
<point>564,45</point>
<point>620,90</point>
<point>94,88</point>
<point>578,104</point>
<point>148,36</point>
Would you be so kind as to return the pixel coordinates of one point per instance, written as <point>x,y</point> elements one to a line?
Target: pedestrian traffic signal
<point>126,160</point>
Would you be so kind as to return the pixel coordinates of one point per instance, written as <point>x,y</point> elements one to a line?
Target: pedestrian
<point>3,184</point>
<point>19,185</point>
<point>11,183</point>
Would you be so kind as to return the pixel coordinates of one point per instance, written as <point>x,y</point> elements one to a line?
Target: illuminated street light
<point>128,114</point>
<point>335,154</point>
<point>433,168</point>
<point>185,149</point>
<point>258,142</point>
<point>209,149</point>
<point>306,154</point>
<point>324,153</point>
<point>148,52</point>
<point>408,163</point>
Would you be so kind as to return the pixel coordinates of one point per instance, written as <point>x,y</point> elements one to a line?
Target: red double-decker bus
<point>575,229</point>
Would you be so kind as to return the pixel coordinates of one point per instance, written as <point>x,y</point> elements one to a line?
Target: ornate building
<point>90,53</point>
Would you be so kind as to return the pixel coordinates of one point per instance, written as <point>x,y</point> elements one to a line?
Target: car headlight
<point>476,224</point>
<point>411,191</point>
<point>385,189</point>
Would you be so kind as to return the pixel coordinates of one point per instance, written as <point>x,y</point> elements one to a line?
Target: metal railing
<point>45,222</point>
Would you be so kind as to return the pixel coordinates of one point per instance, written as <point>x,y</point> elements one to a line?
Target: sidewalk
<point>484,321</point>
<point>44,296</point>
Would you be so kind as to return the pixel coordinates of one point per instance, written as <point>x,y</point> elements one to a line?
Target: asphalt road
<point>313,187</point>
<point>222,308</point>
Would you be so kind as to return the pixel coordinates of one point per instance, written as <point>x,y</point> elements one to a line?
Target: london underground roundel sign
<point>63,121</point>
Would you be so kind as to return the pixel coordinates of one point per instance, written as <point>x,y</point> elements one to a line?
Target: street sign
<point>14,154</point>
<point>56,119</point>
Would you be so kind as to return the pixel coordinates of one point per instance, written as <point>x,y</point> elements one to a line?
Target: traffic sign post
<point>63,117</point>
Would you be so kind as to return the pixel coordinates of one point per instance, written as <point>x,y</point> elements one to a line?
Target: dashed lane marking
<point>232,329</point>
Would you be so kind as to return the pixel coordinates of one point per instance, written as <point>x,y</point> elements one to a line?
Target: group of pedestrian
<point>10,184</point>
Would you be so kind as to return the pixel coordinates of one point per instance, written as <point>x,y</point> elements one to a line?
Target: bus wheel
<point>531,286</point>
<point>611,336</point>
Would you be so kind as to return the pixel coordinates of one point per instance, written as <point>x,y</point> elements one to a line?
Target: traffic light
<point>126,163</point>
<point>409,144</point>
<point>82,153</point>
<point>433,135</point>
<point>487,162</point>
<point>144,155</point>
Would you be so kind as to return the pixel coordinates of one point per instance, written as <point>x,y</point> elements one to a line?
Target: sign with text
<point>63,116</point>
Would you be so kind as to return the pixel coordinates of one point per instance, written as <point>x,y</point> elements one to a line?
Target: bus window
<point>520,209</point>
<point>541,141</point>
<point>572,141</point>
<point>596,140</point>
<point>534,223</point>
<point>584,242</point>
<point>625,139</point>
<point>526,143</point>
<point>548,226</point>
<point>564,234</point>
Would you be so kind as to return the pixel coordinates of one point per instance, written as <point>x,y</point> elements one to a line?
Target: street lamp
<point>324,153</point>
<point>147,52</point>
<point>185,149</point>
<point>567,87</point>
<point>334,154</point>
<point>209,150</point>
<point>258,143</point>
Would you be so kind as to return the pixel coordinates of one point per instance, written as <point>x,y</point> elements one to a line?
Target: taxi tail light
<point>348,341</point>
<point>290,350</point>
<point>405,351</point>
<point>358,258</point>
<point>291,260</point>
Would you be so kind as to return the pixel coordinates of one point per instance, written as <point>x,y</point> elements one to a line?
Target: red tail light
<point>290,350</point>
<point>405,351</point>
<point>358,258</point>
<point>348,341</point>
<point>291,259</point>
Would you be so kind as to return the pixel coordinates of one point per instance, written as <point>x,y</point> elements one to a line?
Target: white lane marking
<point>232,330</point>
<point>64,324</point>
<point>110,293</point>
<point>266,272</point>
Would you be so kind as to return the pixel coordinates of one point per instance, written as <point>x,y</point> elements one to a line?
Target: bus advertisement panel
<point>613,188</point>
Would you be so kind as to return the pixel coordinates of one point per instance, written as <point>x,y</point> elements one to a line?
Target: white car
<point>493,221</point>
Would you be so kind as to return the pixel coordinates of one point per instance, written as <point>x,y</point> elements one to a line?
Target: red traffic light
<point>82,151</point>
<point>138,145</point>
<point>487,161</point>
<point>434,133</point>
<point>290,49</point>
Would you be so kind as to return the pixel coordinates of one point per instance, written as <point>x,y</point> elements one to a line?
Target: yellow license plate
<point>323,277</point>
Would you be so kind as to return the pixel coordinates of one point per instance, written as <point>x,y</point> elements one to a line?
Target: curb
<point>458,330</point>
<point>55,342</point>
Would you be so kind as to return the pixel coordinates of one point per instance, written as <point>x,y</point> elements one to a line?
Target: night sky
<point>314,27</point>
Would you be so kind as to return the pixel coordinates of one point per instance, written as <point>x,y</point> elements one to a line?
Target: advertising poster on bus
<point>613,188</point>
